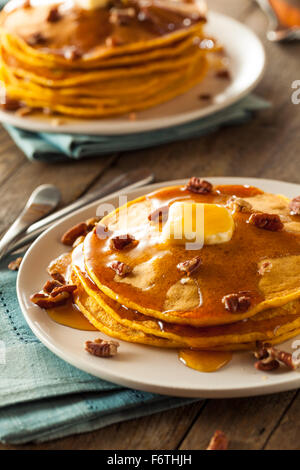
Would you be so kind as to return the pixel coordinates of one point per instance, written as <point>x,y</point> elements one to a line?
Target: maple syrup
<point>204,361</point>
<point>70,315</point>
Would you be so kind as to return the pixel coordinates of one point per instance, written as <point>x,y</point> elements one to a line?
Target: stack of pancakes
<point>127,56</point>
<point>155,303</point>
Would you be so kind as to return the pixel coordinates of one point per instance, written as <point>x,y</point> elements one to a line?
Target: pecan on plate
<point>270,358</point>
<point>70,288</point>
<point>219,441</point>
<point>57,277</point>
<point>295,206</point>
<point>270,222</point>
<point>101,348</point>
<point>15,264</point>
<point>49,286</point>
<point>159,215</point>
<point>73,233</point>
<point>190,266</point>
<point>237,204</point>
<point>54,15</point>
<point>10,104</point>
<point>237,302</point>
<point>122,241</point>
<point>199,186</point>
<point>47,301</point>
<point>120,268</point>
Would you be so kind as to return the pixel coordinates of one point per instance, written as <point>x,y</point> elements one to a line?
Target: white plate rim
<point>276,383</point>
<point>125,126</point>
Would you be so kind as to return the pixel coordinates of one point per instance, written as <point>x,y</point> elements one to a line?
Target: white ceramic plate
<point>136,366</point>
<point>246,63</point>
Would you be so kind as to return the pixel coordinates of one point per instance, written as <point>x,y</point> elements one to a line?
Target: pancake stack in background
<point>77,59</point>
<point>242,285</point>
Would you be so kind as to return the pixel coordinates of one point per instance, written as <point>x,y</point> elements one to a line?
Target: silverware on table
<point>122,183</point>
<point>278,32</point>
<point>42,201</point>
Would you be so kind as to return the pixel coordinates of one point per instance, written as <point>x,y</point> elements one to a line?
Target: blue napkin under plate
<point>53,147</point>
<point>42,397</point>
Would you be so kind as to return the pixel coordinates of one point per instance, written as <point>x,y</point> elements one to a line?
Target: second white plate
<point>246,62</point>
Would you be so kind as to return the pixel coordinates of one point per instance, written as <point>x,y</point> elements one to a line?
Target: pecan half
<point>190,266</point>
<point>50,285</point>
<point>70,288</point>
<point>122,241</point>
<point>295,206</point>
<point>219,441</point>
<point>225,74</point>
<point>237,204</point>
<point>270,358</point>
<point>47,301</point>
<point>102,348</point>
<point>54,14</point>
<point>270,222</point>
<point>57,276</point>
<point>159,215</point>
<point>120,268</point>
<point>236,302</point>
<point>199,186</point>
<point>73,233</point>
<point>14,265</point>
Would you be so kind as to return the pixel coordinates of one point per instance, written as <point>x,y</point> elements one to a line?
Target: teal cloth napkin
<point>43,397</point>
<point>52,147</point>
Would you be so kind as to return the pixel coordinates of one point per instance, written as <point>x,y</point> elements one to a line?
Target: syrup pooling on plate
<point>204,361</point>
<point>226,268</point>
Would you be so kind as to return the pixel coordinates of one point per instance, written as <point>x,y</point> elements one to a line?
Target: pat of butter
<point>197,223</point>
<point>91,4</point>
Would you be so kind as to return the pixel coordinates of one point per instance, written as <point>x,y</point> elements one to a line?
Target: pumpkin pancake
<point>120,57</point>
<point>259,264</point>
<point>266,326</point>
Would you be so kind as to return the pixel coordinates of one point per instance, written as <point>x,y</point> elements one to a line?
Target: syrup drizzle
<point>204,361</point>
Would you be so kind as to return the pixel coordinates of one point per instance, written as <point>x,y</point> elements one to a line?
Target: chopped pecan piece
<point>70,288</point>
<point>295,206</point>
<point>73,233</point>
<point>90,223</point>
<point>122,241</point>
<point>120,268</point>
<point>10,104</point>
<point>37,39</point>
<point>14,265</point>
<point>237,302</point>
<point>72,53</point>
<point>269,358</point>
<point>159,215</point>
<point>102,348</point>
<point>50,285</point>
<point>205,96</point>
<point>199,186</point>
<point>265,267</point>
<point>237,204</point>
<point>47,301</point>
<point>270,222</point>
<point>57,276</point>
<point>190,266</point>
<point>121,16</point>
<point>223,74</point>
<point>54,14</point>
<point>219,441</point>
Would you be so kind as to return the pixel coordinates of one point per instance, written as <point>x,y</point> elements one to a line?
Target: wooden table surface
<point>268,147</point>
